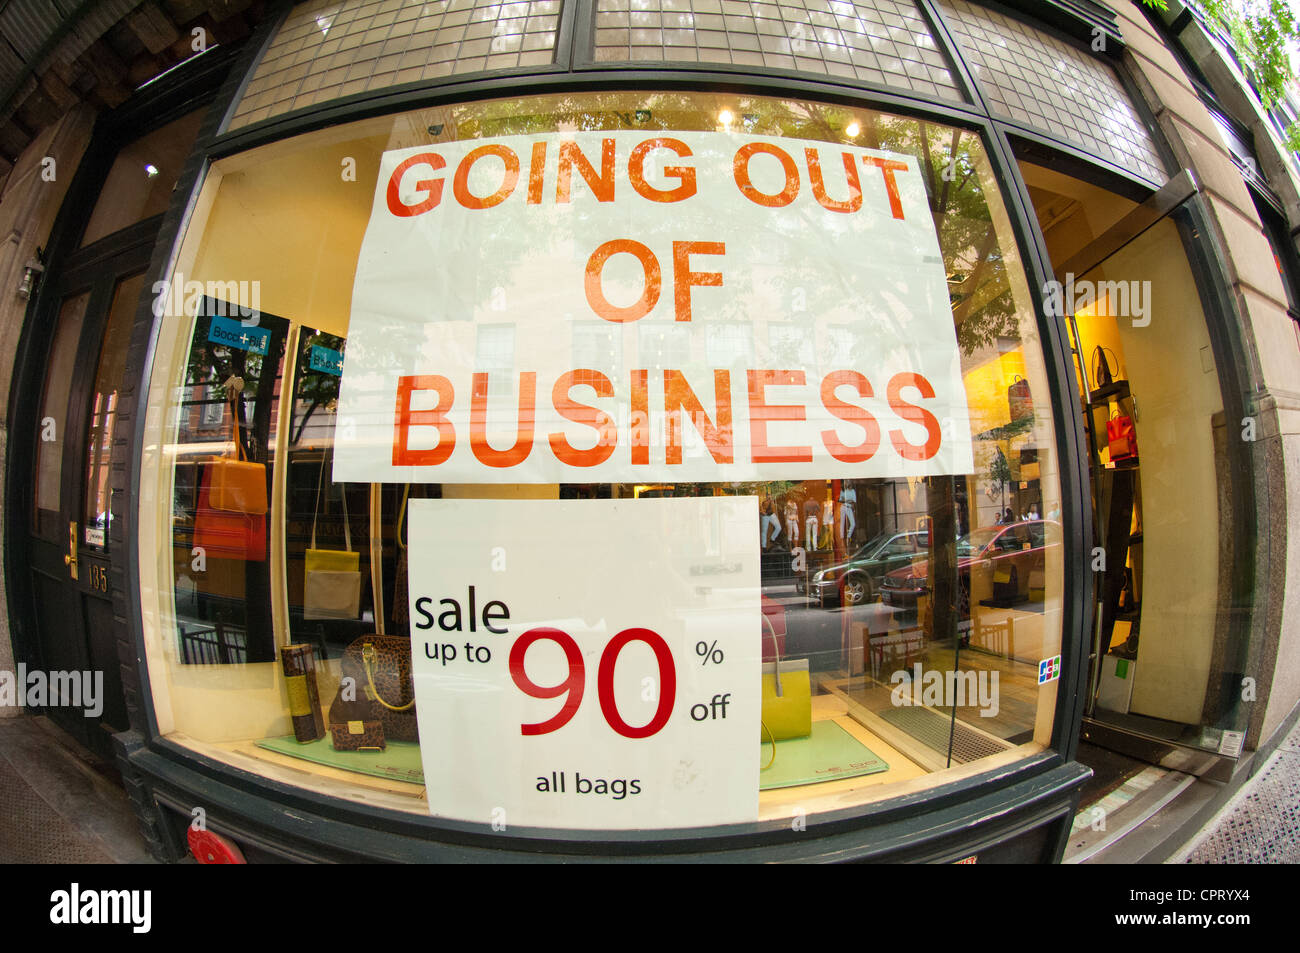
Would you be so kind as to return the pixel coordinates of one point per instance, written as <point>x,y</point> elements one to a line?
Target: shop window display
<point>903,618</point>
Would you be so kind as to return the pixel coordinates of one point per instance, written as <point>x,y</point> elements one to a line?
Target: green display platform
<point>828,754</point>
<point>399,762</point>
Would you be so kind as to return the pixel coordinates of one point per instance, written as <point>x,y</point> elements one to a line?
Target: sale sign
<point>564,682</point>
<point>628,306</point>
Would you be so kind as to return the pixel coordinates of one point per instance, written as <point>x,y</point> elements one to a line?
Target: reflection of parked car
<point>773,624</point>
<point>855,580</point>
<point>1010,552</point>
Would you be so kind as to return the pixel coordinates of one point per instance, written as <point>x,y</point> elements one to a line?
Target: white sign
<point>588,664</point>
<point>628,307</point>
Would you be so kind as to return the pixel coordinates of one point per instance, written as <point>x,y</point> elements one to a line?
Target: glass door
<point>68,544</point>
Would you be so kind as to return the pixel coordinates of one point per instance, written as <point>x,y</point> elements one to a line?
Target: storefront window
<point>882,610</point>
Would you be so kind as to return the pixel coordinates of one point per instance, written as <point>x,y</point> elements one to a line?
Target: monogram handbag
<point>353,728</point>
<point>332,578</point>
<point>380,669</point>
<point>236,484</point>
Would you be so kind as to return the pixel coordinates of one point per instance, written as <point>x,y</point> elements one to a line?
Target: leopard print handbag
<point>380,669</point>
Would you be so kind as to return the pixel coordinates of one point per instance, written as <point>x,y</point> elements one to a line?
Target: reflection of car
<point>1010,552</point>
<point>773,624</point>
<point>855,580</point>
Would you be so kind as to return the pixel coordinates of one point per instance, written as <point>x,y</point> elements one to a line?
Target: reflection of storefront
<point>726,474</point>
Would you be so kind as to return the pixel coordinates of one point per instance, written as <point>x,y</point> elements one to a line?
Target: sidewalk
<point>1261,824</point>
<point>55,806</point>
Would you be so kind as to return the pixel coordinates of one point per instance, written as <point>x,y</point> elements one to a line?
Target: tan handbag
<point>332,578</point>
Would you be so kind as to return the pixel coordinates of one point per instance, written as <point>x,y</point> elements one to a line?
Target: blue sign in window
<point>232,333</point>
<point>327,360</point>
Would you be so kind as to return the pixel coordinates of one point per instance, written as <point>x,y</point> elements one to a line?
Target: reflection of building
<point>1162,495</point>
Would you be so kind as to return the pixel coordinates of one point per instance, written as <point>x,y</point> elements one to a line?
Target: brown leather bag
<point>380,667</point>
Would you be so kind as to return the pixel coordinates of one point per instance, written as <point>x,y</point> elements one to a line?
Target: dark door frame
<point>190,86</point>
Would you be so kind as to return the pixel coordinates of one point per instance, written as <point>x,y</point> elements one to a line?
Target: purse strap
<point>401,516</point>
<point>368,654</point>
<point>234,386</point>
<point>347,525</point>
<point>1099,360</point>
<point>776,650</point>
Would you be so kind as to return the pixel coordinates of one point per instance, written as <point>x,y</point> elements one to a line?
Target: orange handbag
<point>1121,437</point>
<point>227,535</point>
<point>235,484</point>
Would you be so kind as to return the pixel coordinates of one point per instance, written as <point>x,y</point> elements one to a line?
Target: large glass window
<point>924,604</point>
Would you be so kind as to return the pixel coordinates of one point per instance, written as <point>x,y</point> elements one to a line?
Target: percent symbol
<point>709,652</point>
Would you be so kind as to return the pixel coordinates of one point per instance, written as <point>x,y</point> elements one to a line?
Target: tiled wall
<point>875,41</point>
<point>331,48</point>
<point>1031,77</point>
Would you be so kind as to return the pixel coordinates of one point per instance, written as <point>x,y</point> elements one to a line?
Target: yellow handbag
<point>332,578</point>
<point>236,484</point>
<point>787,699</point>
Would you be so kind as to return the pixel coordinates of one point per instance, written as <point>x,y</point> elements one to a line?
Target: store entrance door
<point>1153,377</point>
<point>69,551</point>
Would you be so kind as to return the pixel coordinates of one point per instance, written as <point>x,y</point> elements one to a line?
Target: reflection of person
<point>1008,516</point>
<point>770,522</point>
<point>811,521</point>
<point>848,522</point>
<point>792,520</point>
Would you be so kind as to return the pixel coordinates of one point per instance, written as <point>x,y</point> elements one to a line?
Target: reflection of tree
<point>952,161</point>
<point>1000,475</point>
<point>215,364</point>
<point>318,388</point>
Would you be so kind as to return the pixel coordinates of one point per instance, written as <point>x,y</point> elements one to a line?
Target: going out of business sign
<point>624,307</point>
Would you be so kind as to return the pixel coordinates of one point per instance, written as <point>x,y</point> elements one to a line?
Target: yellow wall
<point>1177,392</point>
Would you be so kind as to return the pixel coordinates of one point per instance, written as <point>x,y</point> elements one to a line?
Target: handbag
<point>352,728</point>
<point>1019,399</point>
<point>332,579</point>
<point>786,700</point>
<point>1102,375</point>
<point>382,678</point>
<point>226,535</point>
<point>236,484</point>
<point>1121,437</point>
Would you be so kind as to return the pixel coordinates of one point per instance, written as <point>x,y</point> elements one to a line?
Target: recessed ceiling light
<point>150,170</point>
<point>726,117</point>
<point>852,129</point>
